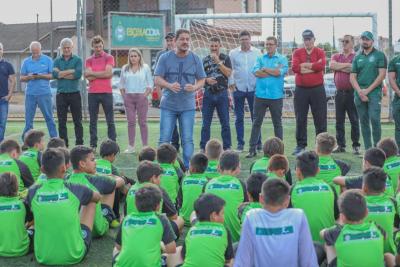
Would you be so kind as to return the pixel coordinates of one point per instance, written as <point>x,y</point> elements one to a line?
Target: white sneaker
<point>130,149</point>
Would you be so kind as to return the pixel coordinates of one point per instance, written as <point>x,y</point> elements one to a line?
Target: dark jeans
<point>3,117</point>
<point>106,100</point>
<point>344,103</point>
<point>175,138</point>
<point>239,98</point>
<point>304,98</point>
<point>260,108</point>
<point>71,101</point>
<point>219,101</point>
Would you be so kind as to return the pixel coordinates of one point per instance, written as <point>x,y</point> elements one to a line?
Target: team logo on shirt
<point>10,207</point>
<point>327,167</point>
<point>361,236</point>
<point>275,231</point>
<point>205,232</point>
<point>52,197</point>
<point>102,170</point>
<point>224,186</point>
<point>393,165</point>
<point>311,189</point>
<point>6,163</point>
<point>194,182</point>
<point>140,222</point>
<point>29,154</point>
<point>380,209</point>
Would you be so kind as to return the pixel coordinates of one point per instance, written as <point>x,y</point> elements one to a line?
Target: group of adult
<point>251,76</point>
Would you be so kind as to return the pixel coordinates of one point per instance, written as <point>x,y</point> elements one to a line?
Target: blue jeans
<point>46,107</point>
<point>3,117</point>
<point>239,98</point>
<point>186,123</point>
<point>219,101</point>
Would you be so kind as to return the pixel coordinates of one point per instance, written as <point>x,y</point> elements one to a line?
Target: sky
<point>292,28</point>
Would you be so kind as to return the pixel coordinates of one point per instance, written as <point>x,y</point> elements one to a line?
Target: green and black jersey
<point>139,236</point>
<point>170,180</point>
<point>55,205</point>
<point>244,208</point>
<point>392,169</point>
<point>207,244</point>
<point>33,159</point>
<point>233,191</point>
<point>17,167</point>
<point>212,169</point>
<point>260,165</point>
<point>330,168</point>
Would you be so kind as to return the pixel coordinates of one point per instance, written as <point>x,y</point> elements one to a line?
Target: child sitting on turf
<point>372,157</point>
<point>271,147</point>
<point>84,165</point>
<point>213,152</point>
<point>56,142</point>
<point>381,208</point>
<point>147,153</point>
<point>63,214</point>
<point>138,239</point>
<point>392,162</point>
<point>229,188</point>
<point>329,167</point>
<point>207,243</point>
<point>275,235</point>
<point>42,177</point>
<point>357,242</point>
<point>14,238</point>
<point>149,173</point>
<point>313,195</point>
<point>253,186</point>
<point>9,162</point>
<point>192,185</point>
<point>278,166</point>
<point>31,156</point>
<point>170,178</point>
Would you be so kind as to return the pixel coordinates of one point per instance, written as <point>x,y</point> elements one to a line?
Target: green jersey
<point>245,208</point>
<point>170,180</point>
<point>130,197</point>
<point>311,195</point>
<point>328,169</point>
<point>103,167</point>
<point>140,236</point>
<point>8,164</point>
<point>207,244</point>
<point>392,169</point>
<point>102,184</point>
<point>58,237</point>
<point>212,169</point>
<point>233,191</point>
<point>32,159</point>
<point>382,210</point>
<point>357,244</point>
<point>14,240</point>
<point>192,187</point>
<point>260,165</point>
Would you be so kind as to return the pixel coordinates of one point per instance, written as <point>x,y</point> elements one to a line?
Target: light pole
<point>51,29</point>
<point>390,55</point>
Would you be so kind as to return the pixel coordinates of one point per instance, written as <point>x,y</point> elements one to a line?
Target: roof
<point>17,37</point>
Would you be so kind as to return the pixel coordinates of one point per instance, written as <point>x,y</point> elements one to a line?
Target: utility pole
<point>390,55</point>
<point>333,35</point>
<point>278,24</point>
<point>98,17</point>
<point>37,27</point>
<point>51,29</point>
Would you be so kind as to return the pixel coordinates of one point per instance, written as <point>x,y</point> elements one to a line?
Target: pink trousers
<point>136,103</point>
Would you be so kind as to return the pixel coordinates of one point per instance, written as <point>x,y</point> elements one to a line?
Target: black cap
<point>170,35</point>
<point>308,34</point>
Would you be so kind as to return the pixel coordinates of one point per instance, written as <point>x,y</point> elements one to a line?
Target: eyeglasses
<point>345,41</point>
<point>269,44</point>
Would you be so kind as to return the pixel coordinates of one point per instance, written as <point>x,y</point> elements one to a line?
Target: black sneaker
<point>251,154</point>
<point>239,149</point>
<point>298,150</point>
<point>339,149</point>
<point>356,150</point>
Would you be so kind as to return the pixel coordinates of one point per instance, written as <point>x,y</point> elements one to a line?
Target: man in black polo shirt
<point>7,85</point>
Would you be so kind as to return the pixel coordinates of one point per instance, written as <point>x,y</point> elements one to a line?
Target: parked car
<point>118,102</point>
<point>288,86</point>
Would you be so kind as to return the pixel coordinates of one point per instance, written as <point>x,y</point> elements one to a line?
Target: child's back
<point>212,169</point>
<point>192,187</point>
<point>32,158</point>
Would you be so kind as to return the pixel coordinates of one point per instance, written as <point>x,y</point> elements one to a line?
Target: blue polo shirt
<point>270,87</point>
<point>6,69</point>
<point>42,65</point>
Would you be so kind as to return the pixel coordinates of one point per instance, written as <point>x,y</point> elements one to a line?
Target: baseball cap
<point>307,34</point>
<point>170,35</point>
<point>368,35</point>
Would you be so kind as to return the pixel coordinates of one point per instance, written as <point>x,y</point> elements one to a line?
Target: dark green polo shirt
<point>394,66</point>
<point>367,68</point>
<point>65,85</point>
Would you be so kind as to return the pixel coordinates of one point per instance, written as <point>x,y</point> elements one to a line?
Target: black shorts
<point>114,258</point>
<point>31,234</point>
<point>87,237</point>
<point>107,212</point>
<point>175,228</point>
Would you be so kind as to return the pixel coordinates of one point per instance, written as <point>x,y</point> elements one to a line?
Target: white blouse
<point>136,82</point>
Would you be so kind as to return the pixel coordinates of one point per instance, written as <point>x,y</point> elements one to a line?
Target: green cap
<point>367,35</point>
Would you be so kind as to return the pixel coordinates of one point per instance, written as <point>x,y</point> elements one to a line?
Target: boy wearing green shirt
<point>14,237</point>
<point>381,208</point>
<point>253,186</point>
<point>278,166</point>
<point>147,153</point>
<point>170,179</point>
<point>192,185</point>
<point>392,162</point>
<point>213,152</point>
<point>9,162</point>
<point>138,239</point>
<point>229,188</point>
<point>329,167</point>
<point>314,196</point>
<point>357,242</point>
<point>208,242</point>
<point>84,165</point>
<point>63,214</point>
<point>149,173</point>
<point>31,156</point>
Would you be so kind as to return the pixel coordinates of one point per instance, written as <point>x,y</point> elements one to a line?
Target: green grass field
<point>100,253</point>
